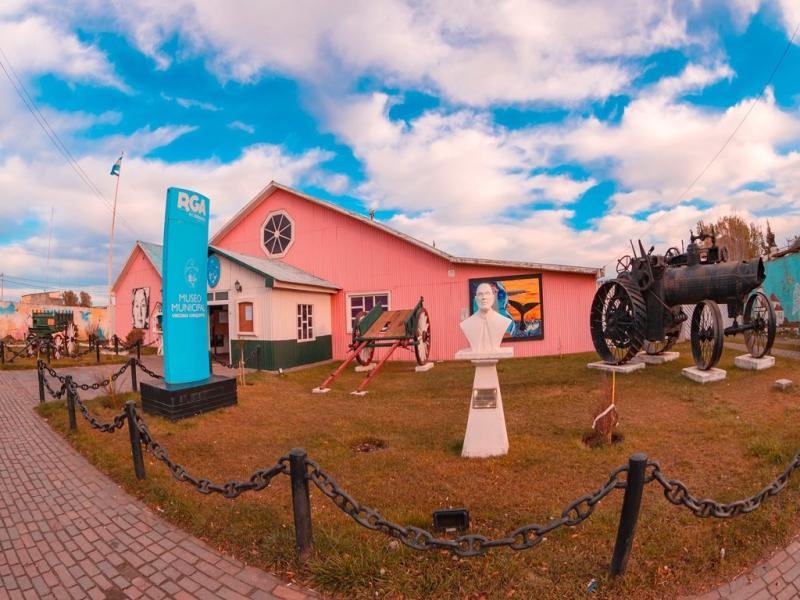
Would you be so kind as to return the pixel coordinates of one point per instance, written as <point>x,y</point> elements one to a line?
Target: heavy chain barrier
<point>522,538</point>
<point>117,423</point>
<point>152,374</point>
<point>105,382</point>
<point>230,365</point>
<point>53,394</point>
<point>258,480</point>
<point>677,493</point>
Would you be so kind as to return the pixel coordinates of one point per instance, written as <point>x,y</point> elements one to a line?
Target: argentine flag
<point>116,167</point>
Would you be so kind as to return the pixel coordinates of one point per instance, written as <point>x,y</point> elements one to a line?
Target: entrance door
<point>219,335</point>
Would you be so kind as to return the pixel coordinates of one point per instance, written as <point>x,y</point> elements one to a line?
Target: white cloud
<point>241,126</point>
<point>82,221</point>
<point>471,51</point>
<point>33,44</point>
<point>458,165</point>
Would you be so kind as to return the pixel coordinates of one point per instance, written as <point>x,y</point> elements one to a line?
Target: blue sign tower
<point>184,273</point>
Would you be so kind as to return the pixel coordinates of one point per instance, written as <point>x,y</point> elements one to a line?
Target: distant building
<point>49,298</point>
<point>776,303</point>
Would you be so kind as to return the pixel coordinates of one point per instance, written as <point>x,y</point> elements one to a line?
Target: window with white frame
<point>357,303</point>
<point>305,322</point>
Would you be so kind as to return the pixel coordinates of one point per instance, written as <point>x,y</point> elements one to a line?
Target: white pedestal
<point>422,368</point>
<point>365,368</point>
<point>486,425</point>
<point>700,376</point>
<point>783,384</point>
<point>748,363</point>
<point>629,367</point>
<point>658,359</point>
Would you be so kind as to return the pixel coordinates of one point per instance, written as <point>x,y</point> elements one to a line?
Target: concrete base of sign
<point>486,433</point>
<point>783,384</point>
<point>422,368</point>
<point>357,393</point>
<point>700,376</point>
<point>748,363</point>
<point>180,400</point>
<point>319,390</point>
<point>627,368</point>
<point>658,359</point>
<point>366,368</point>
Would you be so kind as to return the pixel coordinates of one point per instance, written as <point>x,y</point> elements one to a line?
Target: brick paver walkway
<point>67,531</point>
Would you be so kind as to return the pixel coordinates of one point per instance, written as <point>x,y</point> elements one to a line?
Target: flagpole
<point>113,222</point>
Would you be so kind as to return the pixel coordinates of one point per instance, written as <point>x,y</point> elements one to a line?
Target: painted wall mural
<point>16,318</point>
<point>519,297</point>
<point>140,307</point>
<point>782,287</point>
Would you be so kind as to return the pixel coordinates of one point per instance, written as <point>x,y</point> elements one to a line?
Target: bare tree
<point>86,299</point>
<point>70,298</point>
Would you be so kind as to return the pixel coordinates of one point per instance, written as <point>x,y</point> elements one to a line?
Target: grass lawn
<point>725,440</point>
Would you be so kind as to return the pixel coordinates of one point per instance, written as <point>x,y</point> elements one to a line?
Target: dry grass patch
<point>724,440</point>
<point>87,360</point>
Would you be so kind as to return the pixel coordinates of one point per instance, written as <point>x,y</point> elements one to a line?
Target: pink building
<point>291,271</point>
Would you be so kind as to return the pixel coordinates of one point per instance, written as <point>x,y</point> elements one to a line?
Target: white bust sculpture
<point>485,329</point>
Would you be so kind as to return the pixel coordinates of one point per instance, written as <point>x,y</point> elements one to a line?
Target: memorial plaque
<point>484,398</point>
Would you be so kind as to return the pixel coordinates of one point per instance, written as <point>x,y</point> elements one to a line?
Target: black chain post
<point>139,350</point>
<point>41,380</point>
<point>631,504</point>
<point>47,346</point>
<point>301,503</point>
<point>258,357</point>
<point>2,353</point>
<point>116,344</point>
<point>73,423</point>
<point>132,362</point>
<point>97,350</point>
<point>210,363</point>
<point>136,441</point>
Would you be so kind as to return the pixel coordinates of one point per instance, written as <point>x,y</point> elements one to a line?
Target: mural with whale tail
<point>519,297</point>
<point>16,318</point>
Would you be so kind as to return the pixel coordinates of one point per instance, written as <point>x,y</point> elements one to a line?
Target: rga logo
<point>191,272</point>
<point>192,204</point>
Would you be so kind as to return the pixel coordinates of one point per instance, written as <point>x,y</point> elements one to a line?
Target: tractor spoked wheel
<point>706,334</point>
<point>760,313</point>
<point>617,321</point>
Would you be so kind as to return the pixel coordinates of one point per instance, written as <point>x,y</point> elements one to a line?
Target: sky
<point>545,131</point>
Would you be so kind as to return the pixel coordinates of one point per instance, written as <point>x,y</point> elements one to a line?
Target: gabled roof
<point>153,253</point>
<point>275,270</point>
<point>273,186</point>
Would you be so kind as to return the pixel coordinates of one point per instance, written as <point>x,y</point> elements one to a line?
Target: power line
<point>41,120</point>
<point>738,125</point>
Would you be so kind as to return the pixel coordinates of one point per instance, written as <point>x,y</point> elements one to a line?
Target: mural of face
<point>140,307</point>
<point>484,296</point>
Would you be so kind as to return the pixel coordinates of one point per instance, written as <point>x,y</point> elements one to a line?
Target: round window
<point>278,234</point>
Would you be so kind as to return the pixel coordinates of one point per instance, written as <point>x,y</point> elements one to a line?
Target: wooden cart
<point>393,329</point>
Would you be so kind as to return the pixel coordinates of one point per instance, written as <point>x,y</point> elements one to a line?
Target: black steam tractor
<point>642,308</point>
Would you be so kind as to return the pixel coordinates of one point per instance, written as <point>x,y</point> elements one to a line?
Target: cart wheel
<point>706,334</point>
<point>32,345</point>
<point>422,339</point>
<point>759,312</point>
<point>57,343</point>
<point>364,356</point>
<point>71,339</point>
<point>617,321</point>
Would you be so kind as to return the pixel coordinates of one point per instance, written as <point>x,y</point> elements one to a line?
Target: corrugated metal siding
<point>360,258</point>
